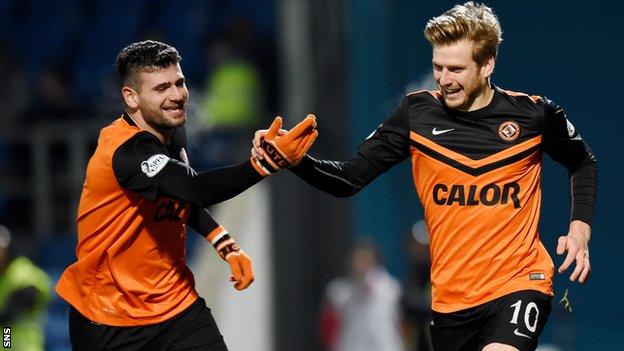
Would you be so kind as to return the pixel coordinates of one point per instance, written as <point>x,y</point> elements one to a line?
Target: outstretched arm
<point>143,165</point>
<point>340,179</point>
<point>384,148</point>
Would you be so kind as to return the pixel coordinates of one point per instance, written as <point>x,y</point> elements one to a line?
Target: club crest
<point>509,131</point>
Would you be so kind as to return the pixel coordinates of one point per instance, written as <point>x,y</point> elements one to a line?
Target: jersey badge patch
<point>571,129</point>
<point>509,131</point>
<point>184,156</point>
<point>537,276</point>
<point>154,164</point>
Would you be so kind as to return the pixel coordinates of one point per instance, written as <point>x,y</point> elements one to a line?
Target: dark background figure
<point>24,295</point>
<point>361,310</point>
<point>416,299</point>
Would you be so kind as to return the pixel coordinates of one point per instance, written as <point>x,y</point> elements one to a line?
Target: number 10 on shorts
<point>527,313</point>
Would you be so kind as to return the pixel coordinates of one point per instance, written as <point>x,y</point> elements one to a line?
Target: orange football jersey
<point>131,267</point>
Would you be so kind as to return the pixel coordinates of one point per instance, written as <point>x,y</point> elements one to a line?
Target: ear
<point>488,67</point>
<point>130,96</point>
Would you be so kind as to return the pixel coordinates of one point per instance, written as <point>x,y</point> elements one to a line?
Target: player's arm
<point>563,143</point>
<point>143,165</point>
<point>383,149</point>
<point>240,263</point>
<point>202,222</point>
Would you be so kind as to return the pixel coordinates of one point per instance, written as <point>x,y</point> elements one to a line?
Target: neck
<point>162,135</point>
<point>483,98</point>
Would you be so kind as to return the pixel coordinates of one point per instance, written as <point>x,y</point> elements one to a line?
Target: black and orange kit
<point>477,175</point>
<point>137,199</point>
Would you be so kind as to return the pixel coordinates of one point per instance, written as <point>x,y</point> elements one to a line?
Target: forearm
<point>207,188</point>
<point>340,179</point>
<point>583,189</point>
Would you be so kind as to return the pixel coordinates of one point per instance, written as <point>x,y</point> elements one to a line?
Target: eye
<point>456,69</point>
<point>180,83</point>
<point>437,67</point>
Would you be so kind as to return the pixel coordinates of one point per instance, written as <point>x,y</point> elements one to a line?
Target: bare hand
<point>576,243</point>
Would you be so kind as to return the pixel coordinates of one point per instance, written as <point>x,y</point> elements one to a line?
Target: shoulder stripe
<point>534,98</point>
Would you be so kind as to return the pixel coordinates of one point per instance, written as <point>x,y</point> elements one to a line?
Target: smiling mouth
<point>174,108</point>
<point>448,91</point>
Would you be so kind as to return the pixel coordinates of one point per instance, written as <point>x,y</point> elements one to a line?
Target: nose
<point>445,78</point>
<point>177,94</point>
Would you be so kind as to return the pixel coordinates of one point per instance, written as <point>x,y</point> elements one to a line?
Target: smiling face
<point>463,82</point>
<point>158,97</point>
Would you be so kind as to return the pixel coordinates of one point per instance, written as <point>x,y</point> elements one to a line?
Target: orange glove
<point>240,264</point>
<point>286,150</point>
<point>242,270</point>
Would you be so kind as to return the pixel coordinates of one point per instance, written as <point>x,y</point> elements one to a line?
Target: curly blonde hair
<point>474,22</point>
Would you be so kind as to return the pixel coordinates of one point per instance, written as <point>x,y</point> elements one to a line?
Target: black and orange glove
<point>240,264</point>
<point>283,151</point>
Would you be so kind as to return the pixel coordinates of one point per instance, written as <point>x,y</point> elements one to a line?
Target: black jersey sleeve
<point>143,165</point>
<point>201,221</point>
<point>564,144</point>
<point>384,148</point>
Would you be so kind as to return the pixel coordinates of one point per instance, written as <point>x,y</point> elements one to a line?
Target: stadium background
<point>349,62</point>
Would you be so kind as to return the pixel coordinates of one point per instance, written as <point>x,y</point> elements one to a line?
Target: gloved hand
<point>240,263</point>
<point>283,151</point>
<point>241,268</point>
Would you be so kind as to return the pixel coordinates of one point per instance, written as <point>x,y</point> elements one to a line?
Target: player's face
<point>162,97</point>
<point>463,82</point>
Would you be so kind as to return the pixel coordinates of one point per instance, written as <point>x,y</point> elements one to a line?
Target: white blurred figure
<point>361,311</point>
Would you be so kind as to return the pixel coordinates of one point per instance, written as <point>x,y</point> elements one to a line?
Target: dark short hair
<point>147,55</point>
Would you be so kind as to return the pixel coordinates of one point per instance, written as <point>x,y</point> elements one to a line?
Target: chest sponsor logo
<point>437,131</point>
<point>509,131</point>
<point>154,164</point>
<point>473,195</point>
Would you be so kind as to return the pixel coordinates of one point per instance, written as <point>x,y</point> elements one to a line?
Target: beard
<point>158,119</point>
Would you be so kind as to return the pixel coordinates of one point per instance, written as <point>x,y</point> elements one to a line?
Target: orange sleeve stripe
<point>514,150</point>
<point>535,98</point>
<point>259,168</point>
<point>224,244</point>
<point>216,234</point>
<point>436,94</point>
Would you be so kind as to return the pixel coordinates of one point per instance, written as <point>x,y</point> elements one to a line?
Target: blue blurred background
<point>350,62</point>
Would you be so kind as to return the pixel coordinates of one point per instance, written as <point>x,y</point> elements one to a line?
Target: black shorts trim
<point>194,328</point>
<point>516,319</point>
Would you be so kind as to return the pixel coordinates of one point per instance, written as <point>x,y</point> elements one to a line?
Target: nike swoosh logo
<point>438,132</point>
<point>516,332</point>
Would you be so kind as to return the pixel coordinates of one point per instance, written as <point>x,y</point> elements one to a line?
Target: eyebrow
<point>452,66</point>
<point>162,86</point>
<point>165,85</point>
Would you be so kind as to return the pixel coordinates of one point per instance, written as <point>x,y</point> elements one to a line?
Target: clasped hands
<point>276,148</point>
